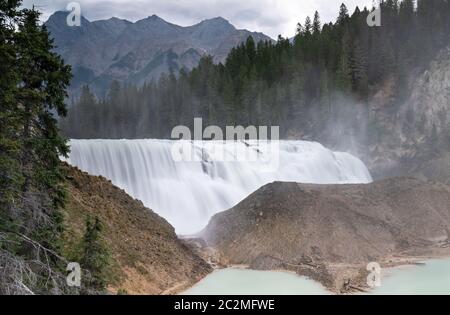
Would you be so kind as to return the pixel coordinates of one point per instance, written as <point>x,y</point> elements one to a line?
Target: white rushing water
<point>188,194</point>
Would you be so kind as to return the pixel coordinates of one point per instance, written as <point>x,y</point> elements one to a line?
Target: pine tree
<point>250,47</point>
<point>308,26</point>
<point>32,93</point>
<point>299,30</point>
<point>357,65</point>
<point>343,15</point>
<point>43,82</point>
<point>10,145</point>
<point>95,255</point>
<point>343,74</point>
<point>317,26</point>
<point>84,117</point>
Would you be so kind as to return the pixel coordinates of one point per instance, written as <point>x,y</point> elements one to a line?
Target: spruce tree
<point>42,92</point>
<point>32,93</point>
<point>95,255</point>
<point>299,30</point>
<point>317,26</point>
<point>308,26</point>
<point>10,144</point>
<point>343,15</point>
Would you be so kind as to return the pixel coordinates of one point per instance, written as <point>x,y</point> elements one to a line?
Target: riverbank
<point>147,257</point>
<point>403,277</point>
<point>356,272</point>
<point>330,233</point>
<point>327,233</point>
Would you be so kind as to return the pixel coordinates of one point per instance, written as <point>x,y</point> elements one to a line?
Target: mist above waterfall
<point>188,194</point>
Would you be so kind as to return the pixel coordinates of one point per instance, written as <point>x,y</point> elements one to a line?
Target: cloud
<point>271,17</point>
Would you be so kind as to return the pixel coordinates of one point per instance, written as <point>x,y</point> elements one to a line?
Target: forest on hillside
<point>299,85</point>
<point>33,253</point>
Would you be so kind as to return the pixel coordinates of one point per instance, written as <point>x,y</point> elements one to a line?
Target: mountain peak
<point>154,24</point>
<point>59,16</point>
<point>117,19</point>
<point>155,18</point>
<point>217,24</point>
<point>217,21</point>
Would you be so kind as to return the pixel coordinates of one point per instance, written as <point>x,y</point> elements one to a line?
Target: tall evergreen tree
<point>42,92</point>
<point>308,26</point>
<point>317,25</point>
<point>299,30</point>
<point>10,175</point>
<point>32,92</point>
<point>343,14</point>
<point>95,255</point>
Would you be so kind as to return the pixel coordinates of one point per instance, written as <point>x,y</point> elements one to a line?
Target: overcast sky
<point>272,17</point>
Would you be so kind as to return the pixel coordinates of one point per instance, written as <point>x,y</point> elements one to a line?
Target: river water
<point>431,279</point>
<point>250,282</point>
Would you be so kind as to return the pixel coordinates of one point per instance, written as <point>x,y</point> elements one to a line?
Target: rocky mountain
<point>115,49</point>
<point>330,233</point>
<point>147,256</point>
<point>407,137</point>
<point>416,137</point>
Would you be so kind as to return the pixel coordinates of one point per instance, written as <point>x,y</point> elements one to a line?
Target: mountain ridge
<point>103,51</point>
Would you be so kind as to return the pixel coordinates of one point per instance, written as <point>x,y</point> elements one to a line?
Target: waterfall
<point>189,193</point>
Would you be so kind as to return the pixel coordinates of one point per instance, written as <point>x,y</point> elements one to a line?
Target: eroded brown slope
<point>331,233</point>
<point>148,258</point>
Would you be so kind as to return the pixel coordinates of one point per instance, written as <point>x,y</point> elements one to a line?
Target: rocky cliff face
<point>148,258</point>
<point>114,49</point>
<point>395,138</point>
<point>331,233</point>
<point>416,134</point>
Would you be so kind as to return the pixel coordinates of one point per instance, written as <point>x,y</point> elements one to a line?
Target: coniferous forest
<point>33,86</point>
<point>300,84</point>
